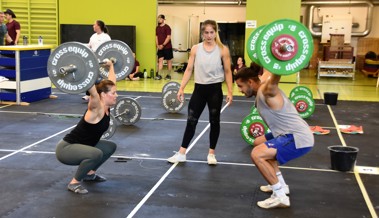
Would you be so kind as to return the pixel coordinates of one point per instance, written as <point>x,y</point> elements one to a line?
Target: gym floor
<point>142,184</point>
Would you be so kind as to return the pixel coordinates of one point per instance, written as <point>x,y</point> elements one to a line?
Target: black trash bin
<point>330,98</point>
<point>343,158</point>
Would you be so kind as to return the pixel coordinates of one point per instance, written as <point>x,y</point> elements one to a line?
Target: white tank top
<point>208,66</point>
<point>285,121</point>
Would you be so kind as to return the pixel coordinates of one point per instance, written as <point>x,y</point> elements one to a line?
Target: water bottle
<point>40,40</point>
<point>24,40</point>
<point>144,73</point>
<point>151,73</point>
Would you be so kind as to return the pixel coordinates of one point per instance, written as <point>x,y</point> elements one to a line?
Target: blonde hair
<point>214,26</point>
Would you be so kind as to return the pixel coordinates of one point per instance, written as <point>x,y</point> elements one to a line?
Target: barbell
<point>170,101</point>
<point>73,68</point>
<point>283,47</point>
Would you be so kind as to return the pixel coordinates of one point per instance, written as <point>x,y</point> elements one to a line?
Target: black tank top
<point>87,133</point>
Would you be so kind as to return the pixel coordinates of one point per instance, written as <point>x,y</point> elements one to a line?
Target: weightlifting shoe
<point>268,189</point>
<point>212,159</point>
<point>274,202</point>
<point>168,77</point>
<point>158,77</point>
<point>77,188</point>
<point>178,157</point>
<point>94,178</point>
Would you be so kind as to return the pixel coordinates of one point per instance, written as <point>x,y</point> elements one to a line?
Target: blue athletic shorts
<point>285,147</point>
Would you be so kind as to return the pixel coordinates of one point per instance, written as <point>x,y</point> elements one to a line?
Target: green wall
<point>141,14</point>
<point>267,11</point>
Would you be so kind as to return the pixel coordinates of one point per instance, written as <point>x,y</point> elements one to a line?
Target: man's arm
<point>270,90</point>
<point>18,33</point>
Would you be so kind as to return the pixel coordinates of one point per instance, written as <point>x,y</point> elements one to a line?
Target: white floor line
<point>36,143</point>
<point>4,106</point>
<point>147,196</point>
<point>80,115</point>
<point>356,172</point>
<point>361,169</point>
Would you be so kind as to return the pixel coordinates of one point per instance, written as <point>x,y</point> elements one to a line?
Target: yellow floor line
<point>356,173</point>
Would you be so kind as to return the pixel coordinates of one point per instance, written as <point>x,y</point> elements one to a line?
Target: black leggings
<point>210,94</point>
<point>87,157</point>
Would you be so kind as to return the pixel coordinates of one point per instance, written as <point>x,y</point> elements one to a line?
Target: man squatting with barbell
<point>290,136</point>
<point>83,146</point>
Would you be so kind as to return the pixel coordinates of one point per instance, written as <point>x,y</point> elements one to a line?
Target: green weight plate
<point>252,127</point>
<point>294,40</point>
<point>301,89</point>
<point>111,129</point>
<point>127,111</point>
<point>170,101</point>
<point>251,44</point>
<point>254,110</point>
<point>304,104</point>
<point>170,85</point>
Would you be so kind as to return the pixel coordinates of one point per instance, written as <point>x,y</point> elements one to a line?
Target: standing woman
<point>100,36</point>
<point>82,146</point>
<point>210,60</point>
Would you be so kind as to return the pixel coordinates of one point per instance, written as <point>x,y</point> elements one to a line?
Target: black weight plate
<point>115,49</point>
<point>170,102</point>
<point>73,54</point>
<point>127,111</point>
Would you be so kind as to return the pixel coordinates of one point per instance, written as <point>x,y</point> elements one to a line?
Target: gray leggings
<point>87,157</point>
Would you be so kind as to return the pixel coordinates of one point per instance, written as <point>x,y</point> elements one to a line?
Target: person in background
<point>14,28</point>
<point>83,146</point>
<point>3,30</point>
<point>290,136</point>
<point>100,36</point>
<point>210,62</point>
<point>135,74</point>
<point>164,46</point>
<point>240,64</point>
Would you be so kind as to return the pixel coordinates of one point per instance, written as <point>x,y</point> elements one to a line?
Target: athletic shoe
<point>77,188</point>
<point>94,178</point>
<point>352,129</point>
<point>212,159</point>
<point>85,98</point>
<point>168,77</point>
<point>274,202</point>
<point>159,77</point>
<point>317,130</point>
<point>178,157</point>
<point>268,189</point>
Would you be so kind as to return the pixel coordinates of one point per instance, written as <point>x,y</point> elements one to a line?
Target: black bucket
<point>330,98</point>
<point>343,158</point>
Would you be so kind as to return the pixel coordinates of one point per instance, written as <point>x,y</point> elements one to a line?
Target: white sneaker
<point>212,159</point>
<point>274,202</point>
<point>178,157</point>
<point>85,98</point>
<point>268,188</point>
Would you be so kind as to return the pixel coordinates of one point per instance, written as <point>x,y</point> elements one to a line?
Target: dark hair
<point>251,72</point>
<point>243,60</point>
<point>102,26</point>
<point>105,86</point>
<point>10,12</point>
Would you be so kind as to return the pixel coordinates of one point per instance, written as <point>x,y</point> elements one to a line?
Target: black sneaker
<point>159,77</point>
<point>168,77</point>
<point>94,178</point>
